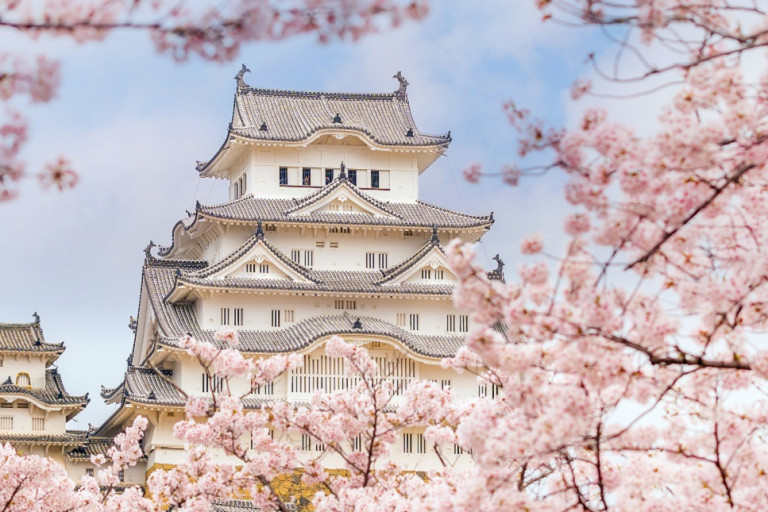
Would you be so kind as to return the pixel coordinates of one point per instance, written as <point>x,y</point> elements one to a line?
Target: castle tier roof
<point>26,338</point>
<point>252,210</point>
<point>54,392</point>
<point>90,446</point>
<point>64,439</point>
<point>275,116</point>
<point>175,320</point>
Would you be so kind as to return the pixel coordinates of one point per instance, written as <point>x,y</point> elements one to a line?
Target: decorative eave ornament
<point>241,85</point>
<point>401,91</point>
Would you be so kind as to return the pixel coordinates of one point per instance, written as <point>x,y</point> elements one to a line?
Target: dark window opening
<point>328,176</point>
<point>353,176</point>
<point>306,176</point>
<point>283,175</point>
<point>374,179</point>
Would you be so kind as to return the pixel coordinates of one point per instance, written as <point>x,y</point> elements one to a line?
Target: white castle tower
<point>323,235</point>
<point>34,405</point>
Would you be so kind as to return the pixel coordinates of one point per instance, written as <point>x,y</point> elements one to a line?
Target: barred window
<point>413,321</point>
<point>421,444</point>
<point>407,443</point>
<point>308,258</point>
<point>225,316</point>
<point>267,388</point>
<point>450,323</point>
<point>38,423</point>
<point>357,443</point>
<point>328,176</point>
<point>238,316</point>
<point>352,175</point>
<point>250,267</point>
<point>463,323</point>
<point>445,384</point>
<point>288,315</point>
<point>264,268</point>
<point>426,274</point>
<point>296,256</point>
<point>6,422</point>
<point>401,319</point>
<point>345,304</point>
<point>283,175</point>
<point>275,318</point>
<point>374,179</point>
<point>306,176</point>
<point>212,383</point>
<point>306,442</point>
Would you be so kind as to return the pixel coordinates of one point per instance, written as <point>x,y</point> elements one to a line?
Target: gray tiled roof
<point>249,209</point>
<point>370,281</point>
<point>292,116</point>
<point>53,393</point>
<point>66,438</point>
<point>143,385</point>
<point>414,214</point>
<point>302,334</point>
<point>91,445</point>
<point>233,506</point>
<point>26,338</point>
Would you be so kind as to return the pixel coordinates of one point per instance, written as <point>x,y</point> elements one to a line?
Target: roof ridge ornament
<point>401,91</point>
<point>259,233</point>
<point>241,85</point>
<point>36,317</point>
<point>148,250</point>
<point>434,238</point>
<point>343,172</point>
<point>337,118</point>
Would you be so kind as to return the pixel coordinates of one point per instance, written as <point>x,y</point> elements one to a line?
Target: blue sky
<point>134,123</point>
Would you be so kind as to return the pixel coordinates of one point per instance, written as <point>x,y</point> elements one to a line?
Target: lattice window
<point>357,443</point>
<point>38,423</point>
<point>309,258</point>
<point>306,442</point>
<point>225,316</point>
<point>372,258</point>
<point>283,176</point>
<point>270,227</point>
<point>296,256</point>
<point>450,323</point>
<point>288,316</point>
<point>1,362</point>
<point>445,384</point>
<point>401,317</point>
<point>238,320</point>
<point>345,304</point>
<point>439,275</point>
<point>326,373</point>
<point>426,273</point>
<point>6,422</point>
<point>275,318</point>
<point>306,176</point>
<point>458,450</point>
<point>264,268</point>
<point>250,267</point>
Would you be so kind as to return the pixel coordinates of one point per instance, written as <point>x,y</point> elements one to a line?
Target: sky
<point>134,122</point>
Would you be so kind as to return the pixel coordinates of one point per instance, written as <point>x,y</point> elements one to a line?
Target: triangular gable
<point>342,198</point>
<point>431,268</point>
<point>248,265</point>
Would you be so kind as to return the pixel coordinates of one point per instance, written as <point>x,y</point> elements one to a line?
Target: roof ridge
<point>293,93</point>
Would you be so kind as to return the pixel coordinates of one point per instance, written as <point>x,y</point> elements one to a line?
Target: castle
<point>323,234</point>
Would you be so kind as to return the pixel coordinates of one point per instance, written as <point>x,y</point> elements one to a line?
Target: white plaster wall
<point>262,167</point>
<point>33,364</point>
